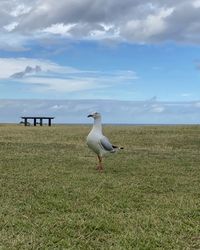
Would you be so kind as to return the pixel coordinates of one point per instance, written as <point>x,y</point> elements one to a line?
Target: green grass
<point>51,196</point>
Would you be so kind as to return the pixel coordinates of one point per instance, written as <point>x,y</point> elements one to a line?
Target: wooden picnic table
<point>36,118</point>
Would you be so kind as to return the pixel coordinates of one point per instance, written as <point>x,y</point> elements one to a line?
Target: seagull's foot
<point>99,168</point>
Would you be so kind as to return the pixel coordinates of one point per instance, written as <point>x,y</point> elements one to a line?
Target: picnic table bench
<point>35,120</point>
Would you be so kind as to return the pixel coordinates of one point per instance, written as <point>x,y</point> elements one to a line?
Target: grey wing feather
<point>104,142</point>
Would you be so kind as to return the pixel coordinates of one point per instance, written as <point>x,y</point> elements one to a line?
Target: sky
<point>134,61</point>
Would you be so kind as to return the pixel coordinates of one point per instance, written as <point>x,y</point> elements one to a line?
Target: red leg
<point>100,166</point>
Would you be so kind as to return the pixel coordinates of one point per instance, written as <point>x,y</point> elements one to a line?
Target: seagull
<point>97,142</point>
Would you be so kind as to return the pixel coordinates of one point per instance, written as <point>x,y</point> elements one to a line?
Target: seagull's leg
<point>100,166</point>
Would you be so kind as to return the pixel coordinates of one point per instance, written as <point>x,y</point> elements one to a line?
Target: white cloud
<point>43,76</point>
<point>10,66</point>
<point>197,104</point>
<point>56,107</point>
<point>20,10</point>
<point>59,28</point>
<point>27,72</point>
<point>11,26</point>
<point>107,31</point>
<point>76,111</point>
<point>143,29</point>
<point>134,21</point>
<point>157,108</point>
<point>12,41</point>
<point>60,85</point>
<point>196,3</point>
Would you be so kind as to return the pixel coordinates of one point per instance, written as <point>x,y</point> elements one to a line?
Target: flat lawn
<point>51,196</point>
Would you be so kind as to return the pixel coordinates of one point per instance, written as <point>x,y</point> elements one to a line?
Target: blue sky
<point>143,53</point>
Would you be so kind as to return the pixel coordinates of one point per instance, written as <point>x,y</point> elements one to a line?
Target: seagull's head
<point>95,115</point>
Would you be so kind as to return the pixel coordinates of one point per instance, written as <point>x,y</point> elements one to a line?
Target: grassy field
<point>51,196</point>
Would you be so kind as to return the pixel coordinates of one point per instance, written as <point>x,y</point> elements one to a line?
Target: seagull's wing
<point>105,144</point>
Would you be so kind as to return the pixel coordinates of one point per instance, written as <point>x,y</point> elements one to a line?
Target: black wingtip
<point>117,147</point>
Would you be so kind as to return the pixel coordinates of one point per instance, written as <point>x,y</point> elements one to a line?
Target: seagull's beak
<point>90,116</point>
